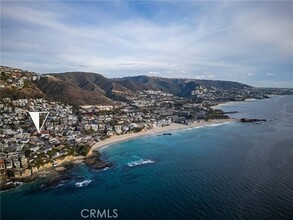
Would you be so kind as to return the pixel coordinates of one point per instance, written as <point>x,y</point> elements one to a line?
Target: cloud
<point>205,76</point>
<point>270,74</point>
<point>155,73</point>
<point>131,38</point>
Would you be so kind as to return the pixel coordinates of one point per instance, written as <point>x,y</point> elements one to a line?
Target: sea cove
<point>227,171</point>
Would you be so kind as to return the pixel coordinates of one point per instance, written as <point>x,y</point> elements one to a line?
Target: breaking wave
<point>216,125</point>
<point>83,183</point>
<point>139,162</point>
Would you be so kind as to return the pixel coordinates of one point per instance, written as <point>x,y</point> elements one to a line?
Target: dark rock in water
<point>251,120</point>
<point>29,179</point>
<point>167,134</point>
<point>7,186</point>
<point>96,163</point>
<point>14,182</point>
<point>164,134</point>
<point>231,112</point>
<point>68,165</point>
<point>54,182</point>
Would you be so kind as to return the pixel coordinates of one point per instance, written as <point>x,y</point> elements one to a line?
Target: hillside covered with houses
<point>72,129</point>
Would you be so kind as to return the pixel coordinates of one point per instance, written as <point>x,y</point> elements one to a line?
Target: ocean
<point>229,171</point>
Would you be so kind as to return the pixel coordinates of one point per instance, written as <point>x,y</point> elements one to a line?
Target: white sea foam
<point>83,183</point>
<point>104,147</point>
<point>215,125</point>
<point>197,127</point>
<point>139,162</point>
<point>18,183</point>
<point>59,185</point>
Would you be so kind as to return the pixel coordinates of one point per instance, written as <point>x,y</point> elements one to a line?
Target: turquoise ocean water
<point>229,171</point>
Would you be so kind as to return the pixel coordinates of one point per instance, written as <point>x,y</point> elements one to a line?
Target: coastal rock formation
<point>251,120</point>
<point>164,134</point>
<point>57,174</point>
<point>55,180</point>
<point>95,162</point>
<point>231,112</point>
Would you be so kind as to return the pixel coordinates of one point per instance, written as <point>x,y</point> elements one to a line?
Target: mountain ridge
<point>176,86</point>
<point>83,88</point>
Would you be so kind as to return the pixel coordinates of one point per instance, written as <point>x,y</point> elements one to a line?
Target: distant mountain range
<point>91,88</point>
<point>176,86</point>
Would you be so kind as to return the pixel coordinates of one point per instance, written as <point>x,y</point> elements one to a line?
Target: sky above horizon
<point>245,41</point>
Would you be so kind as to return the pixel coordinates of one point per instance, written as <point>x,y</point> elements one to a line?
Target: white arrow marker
<point>36,119</point>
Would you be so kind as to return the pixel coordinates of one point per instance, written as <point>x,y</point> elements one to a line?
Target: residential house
<point>2,164</point>
<point>118,129</point>
<point>9,163</point>
<point>16,162</point>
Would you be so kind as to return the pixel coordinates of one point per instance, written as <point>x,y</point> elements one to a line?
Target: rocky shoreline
<point>95,162</point>
<point>54,176</point>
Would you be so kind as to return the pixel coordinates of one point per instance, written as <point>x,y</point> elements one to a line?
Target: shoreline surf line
<point>157,130</point>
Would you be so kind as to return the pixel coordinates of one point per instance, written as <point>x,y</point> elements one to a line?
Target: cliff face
<point>46,166</point>
<point>24,173</point>
<point>90,153</point>
<point>65,159</point>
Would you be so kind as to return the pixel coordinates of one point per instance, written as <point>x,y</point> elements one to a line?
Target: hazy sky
<point>245,41</point>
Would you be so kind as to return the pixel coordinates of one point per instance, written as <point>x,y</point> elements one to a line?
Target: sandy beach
<point>157,130</point>
<point>222,104</point>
